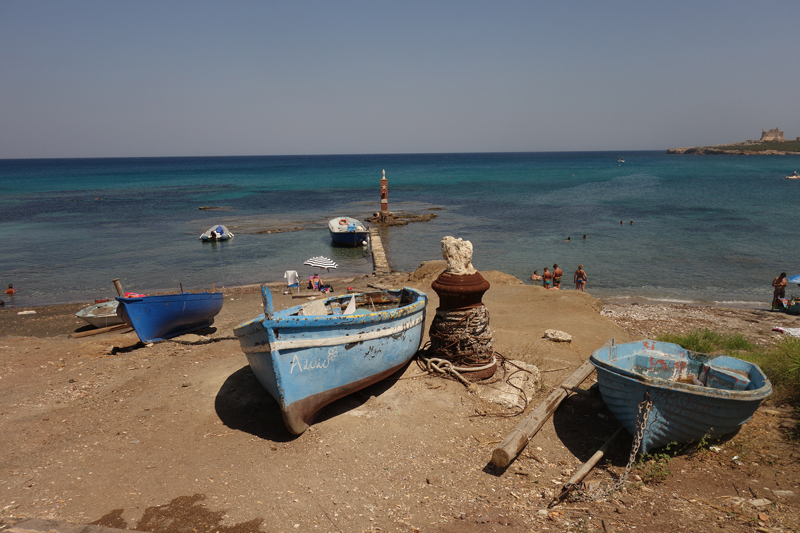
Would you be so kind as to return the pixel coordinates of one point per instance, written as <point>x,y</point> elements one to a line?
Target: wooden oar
<point>587,467</point>
<point>97,331</point>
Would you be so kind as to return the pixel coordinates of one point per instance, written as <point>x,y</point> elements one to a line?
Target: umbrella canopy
<point>794,279</point>
<point>321,262</point>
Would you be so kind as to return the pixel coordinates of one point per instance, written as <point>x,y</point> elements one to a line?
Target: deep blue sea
<point>705,228</point>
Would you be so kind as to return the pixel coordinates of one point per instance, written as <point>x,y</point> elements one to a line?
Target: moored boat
<point>101,315</point>
<point>347,231</point>
<point>310,355</point>
<point>164,316</point>
<point>216,233</point>
<point>693,395</point>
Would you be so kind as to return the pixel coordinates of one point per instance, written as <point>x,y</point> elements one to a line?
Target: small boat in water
<point>101,315</point>
<point>216,233</point>
<point>309,355</point>
<point>693,395</point>
<point>346,231</point>
<point>794,176</point>
<point>620,160</point>
<point>160,317</point>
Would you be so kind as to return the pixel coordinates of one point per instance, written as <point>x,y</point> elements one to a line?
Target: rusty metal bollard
<point>460,330</point>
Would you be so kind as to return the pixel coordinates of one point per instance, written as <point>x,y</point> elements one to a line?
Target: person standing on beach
<point>580,278</point>
<point>557,273</point>
<point>547,278</point>
<point>779,285</point>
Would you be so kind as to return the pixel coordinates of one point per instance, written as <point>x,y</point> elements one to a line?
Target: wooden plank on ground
<point>516,441</point>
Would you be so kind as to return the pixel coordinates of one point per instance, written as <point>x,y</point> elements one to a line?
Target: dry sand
<point>180,437</point>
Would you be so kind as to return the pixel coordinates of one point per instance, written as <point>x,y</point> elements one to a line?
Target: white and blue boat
<point>216,233</point>
<point>101,314</point>
<point>693,395</point>
<point>310,355</point>
<point>347,231</point>
<point>160,317</point>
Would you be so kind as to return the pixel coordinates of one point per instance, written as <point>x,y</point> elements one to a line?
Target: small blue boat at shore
<point>160,317</point>
<point>693,395</point>
<point>310,355</point>
<point>347,231</point>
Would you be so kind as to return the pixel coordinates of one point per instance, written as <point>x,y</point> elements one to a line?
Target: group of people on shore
<point>552,280</point>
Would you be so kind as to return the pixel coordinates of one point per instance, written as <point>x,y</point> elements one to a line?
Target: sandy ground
<point>180,437</point>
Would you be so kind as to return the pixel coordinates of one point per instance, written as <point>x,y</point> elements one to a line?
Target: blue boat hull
<point>307,362</point>
<point>156,318</point>
<point>353,238</point>
<point>682,411</point>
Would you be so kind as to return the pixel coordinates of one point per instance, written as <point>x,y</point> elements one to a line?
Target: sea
<point>681,228</point>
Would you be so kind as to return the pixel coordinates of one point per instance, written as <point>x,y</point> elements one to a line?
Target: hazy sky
<point>185,78</point>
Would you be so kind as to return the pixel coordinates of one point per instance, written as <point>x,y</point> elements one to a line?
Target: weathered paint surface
<point>682,411</point>
<point>296,357</point>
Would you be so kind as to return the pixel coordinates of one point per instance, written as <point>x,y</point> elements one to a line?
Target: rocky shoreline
<point>711,150</point>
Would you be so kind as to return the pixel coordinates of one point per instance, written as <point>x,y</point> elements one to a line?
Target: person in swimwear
<point>580,278</point>
<point>779,285</point>
<point>547,278</point>
<point>11,290</point>
<point>535,276</point>
<point>557,273</point>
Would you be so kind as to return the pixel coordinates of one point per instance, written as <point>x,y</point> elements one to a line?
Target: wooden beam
<point>97,331</point>
<point>516,441</point>
<point>587,467</point>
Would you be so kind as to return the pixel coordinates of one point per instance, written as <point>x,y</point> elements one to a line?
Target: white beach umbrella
<point>321,262</point>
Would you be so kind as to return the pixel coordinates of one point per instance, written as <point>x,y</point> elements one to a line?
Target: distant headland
<point>772,142</point>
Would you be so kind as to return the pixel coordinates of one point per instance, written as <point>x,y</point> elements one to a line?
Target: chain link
<point>641,426</point>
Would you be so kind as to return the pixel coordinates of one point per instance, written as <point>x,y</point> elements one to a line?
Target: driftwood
<point>587,467</point>
<point>97,331</point>
<point>516,441</point>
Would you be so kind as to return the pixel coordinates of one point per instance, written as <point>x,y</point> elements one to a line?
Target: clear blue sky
<point>186,78</point>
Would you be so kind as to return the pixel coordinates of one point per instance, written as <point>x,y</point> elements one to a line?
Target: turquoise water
<point>705,228</point>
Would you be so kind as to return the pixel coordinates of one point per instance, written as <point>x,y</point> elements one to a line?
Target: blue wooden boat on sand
<point>160,317</point>
<point>694,395</point>
<point>310,355</point>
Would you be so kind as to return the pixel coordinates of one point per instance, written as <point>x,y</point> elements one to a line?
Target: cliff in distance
<point>743,148</point>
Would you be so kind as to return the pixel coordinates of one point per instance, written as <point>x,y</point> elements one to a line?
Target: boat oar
<point>97,331</point>
<point>587,467</point>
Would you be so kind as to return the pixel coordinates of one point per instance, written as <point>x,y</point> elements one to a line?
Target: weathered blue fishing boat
<point>160,317</point>
<point>309,355</point>
<point>693,395</point>
<point>346,231</point>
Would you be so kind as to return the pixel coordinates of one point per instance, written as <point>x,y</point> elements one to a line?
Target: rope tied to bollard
<point>463,337</point>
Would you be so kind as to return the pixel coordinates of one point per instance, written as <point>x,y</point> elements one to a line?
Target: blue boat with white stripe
<point>694,395</point>
<point>310,355</point>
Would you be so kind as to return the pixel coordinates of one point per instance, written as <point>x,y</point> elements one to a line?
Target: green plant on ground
<point>653,467</point>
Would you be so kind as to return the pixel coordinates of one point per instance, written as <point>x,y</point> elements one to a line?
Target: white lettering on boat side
<point>312,365</point>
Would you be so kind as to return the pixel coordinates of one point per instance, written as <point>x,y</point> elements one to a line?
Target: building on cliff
<point>772,135</point>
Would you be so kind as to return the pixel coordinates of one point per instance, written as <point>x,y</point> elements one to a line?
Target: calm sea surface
<point>705,228</point>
